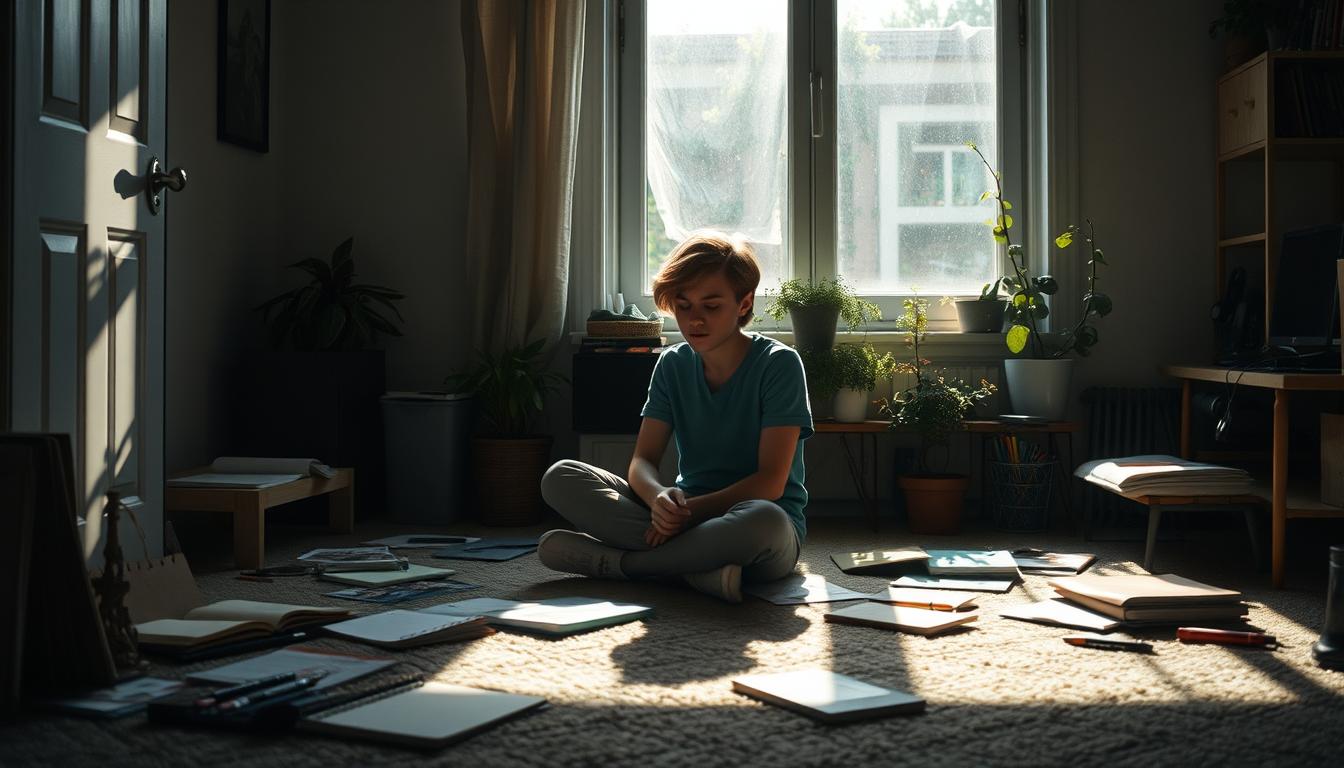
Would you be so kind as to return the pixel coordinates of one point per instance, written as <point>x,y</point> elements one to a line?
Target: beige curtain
<point>523,62</point>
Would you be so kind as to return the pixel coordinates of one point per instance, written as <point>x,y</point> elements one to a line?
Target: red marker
<point>1227,636</point>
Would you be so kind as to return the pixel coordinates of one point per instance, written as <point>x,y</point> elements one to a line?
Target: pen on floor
<point>1109,643</point>
<point>251,699</point>
<point>238,690</point>
<point>250,577</point>
<point>1226,636</point>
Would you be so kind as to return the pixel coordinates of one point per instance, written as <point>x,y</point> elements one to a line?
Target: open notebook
<point>427,716</point>
<point>231,620</point>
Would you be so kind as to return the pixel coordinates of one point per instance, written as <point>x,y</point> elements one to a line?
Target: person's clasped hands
<point>670,515</point>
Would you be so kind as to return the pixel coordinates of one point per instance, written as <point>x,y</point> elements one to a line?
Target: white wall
<point>222,237</point>
<point>367,138</point>
<point>1146,156</point>
<point>373,144</point>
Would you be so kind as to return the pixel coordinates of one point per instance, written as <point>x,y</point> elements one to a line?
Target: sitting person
<point>737,403</point>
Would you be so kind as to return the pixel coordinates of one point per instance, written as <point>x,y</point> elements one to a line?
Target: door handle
<point>157,181</point>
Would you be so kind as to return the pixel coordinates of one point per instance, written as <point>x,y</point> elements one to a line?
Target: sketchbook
<point>556,616</point>
<point>880,560</point>
<point>971,562</point>
<point>914,620</point>
<point>428,716</point>
<point>827,696</point>
<point>407,629</point>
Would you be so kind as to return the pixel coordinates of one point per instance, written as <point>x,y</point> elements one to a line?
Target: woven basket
<point>625,329</point>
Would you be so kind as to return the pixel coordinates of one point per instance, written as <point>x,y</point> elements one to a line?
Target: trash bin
<point>1022,495</point>
<point>427,447</point>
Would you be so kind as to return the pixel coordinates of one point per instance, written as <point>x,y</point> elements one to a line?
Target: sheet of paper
<point>949,582</point>
<point>339,668</point>
<point>799,589</point>
<point>422,541</point>
<point>398,593</point>
<point>1061,613</point>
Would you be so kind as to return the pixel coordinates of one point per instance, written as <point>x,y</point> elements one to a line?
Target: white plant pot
<point>850,405</point>
<point>1039,387</point>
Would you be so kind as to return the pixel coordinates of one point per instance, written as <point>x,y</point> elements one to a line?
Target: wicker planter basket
<point>508,478</point>
<point>625,329</point>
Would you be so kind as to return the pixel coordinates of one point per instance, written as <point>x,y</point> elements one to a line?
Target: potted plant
<point>847,374</point>
<point>933,407</point>
<point>510,390</point>
<point>1038,384</point>
<point>984,314</point>
<point>315,393</point>
<point>814,309</point>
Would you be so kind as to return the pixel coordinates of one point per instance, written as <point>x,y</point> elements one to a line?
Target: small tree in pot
<point>510,390</point>
<point>815,308</point>
<point>933,407</point>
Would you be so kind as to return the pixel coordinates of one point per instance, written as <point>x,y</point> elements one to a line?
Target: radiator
<point>1125,421</point>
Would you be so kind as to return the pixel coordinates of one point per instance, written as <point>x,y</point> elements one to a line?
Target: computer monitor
<point>1305,312</point>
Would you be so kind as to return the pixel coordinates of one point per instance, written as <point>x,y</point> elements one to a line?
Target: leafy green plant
<point>991,291</point>
<point>1027,304</point>
<point>934,405</point>
<point>846,366</point>
<point>332,311</point>
<point>510,388</point>
<point>796,293</point>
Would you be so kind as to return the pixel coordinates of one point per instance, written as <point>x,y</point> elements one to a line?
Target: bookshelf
<point>1280,162</point>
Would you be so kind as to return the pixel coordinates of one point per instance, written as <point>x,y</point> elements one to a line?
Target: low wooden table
<point>248,507</point>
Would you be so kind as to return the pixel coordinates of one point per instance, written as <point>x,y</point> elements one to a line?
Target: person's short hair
<point>702,254</point>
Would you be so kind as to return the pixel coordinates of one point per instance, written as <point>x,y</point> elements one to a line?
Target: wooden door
<point>87,336</point>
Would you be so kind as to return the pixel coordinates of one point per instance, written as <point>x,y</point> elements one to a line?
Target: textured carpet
<point>657,693</point>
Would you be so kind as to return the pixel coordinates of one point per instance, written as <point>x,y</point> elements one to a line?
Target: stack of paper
<point>1161,475</point>
<point>1151,599</point>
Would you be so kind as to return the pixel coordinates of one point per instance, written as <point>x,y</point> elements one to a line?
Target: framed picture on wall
<point>244,78</point>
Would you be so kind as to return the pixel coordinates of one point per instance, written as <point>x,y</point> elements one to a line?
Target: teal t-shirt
<point>719,433</point>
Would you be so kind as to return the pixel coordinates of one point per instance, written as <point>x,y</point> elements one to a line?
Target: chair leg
<point>1253,530</point>
<point>1154,518</point>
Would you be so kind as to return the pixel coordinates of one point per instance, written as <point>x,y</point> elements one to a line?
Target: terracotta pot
<point>508,478</point>
<point>934,502</point>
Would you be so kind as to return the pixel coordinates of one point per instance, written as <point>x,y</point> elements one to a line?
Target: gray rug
<point>657,693</point>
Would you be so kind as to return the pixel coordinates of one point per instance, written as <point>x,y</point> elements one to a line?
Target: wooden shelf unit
<point>1249,137</point>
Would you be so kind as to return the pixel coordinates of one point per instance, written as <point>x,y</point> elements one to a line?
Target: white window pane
<point>915,80</point>
<point>715,129</point>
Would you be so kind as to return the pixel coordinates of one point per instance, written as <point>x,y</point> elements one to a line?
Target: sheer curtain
<point>523,64</point>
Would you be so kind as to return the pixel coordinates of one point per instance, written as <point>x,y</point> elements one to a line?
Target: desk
<point>867,432</point>
<point>1282,505</point>
<point>248,507</point>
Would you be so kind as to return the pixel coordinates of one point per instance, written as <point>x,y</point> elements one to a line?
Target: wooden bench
<point>248,507</point>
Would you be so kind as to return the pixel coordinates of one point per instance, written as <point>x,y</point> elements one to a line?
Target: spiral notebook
<point>427,716</point>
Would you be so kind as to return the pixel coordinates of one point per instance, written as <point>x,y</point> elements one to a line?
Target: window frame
<point>812,179</point>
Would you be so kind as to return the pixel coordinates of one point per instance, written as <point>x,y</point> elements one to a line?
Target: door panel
<point>87,295</point>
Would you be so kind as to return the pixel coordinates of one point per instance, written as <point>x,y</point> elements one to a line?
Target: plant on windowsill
<point>1038,382</point>
<point>815,309</point>
<point>933,407</point>
<point>510,390</point>
<point>847,375</point>
<point>984,314</point>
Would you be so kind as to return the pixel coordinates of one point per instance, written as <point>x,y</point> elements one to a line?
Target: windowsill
<point>987,346</point>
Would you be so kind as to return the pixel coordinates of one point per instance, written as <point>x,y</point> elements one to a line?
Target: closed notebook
<point>426,716</point>
<point>919,621</point>
<point>556,616</point>
<point>972,562</point>
<point>880,560</point>
<point>408,629</point>
<point>827,696</point>
<point>230,620</point>
<point>1170,613</point>
<point>1133,590</point>
<point>1061,613</point>
<point>413,572</point>
<point>932,599</point>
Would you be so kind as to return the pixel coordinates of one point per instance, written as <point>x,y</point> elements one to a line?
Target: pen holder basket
<point>1020,495</point>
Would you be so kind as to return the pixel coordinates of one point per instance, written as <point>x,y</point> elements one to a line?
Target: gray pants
<point>756,534</point>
